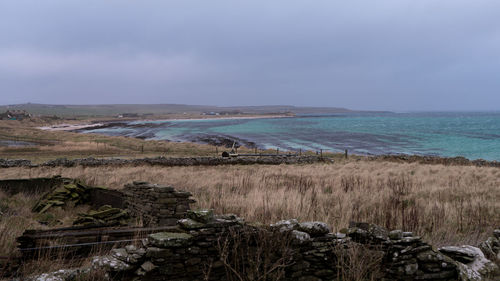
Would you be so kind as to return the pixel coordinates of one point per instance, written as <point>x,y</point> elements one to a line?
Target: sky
<point>397,55</point>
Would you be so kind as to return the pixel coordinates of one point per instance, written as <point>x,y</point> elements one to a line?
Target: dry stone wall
<point>155,205</point>
<point>167,161</point>
<point>30,186</point>
<point>204,246</point>
<point>207,247</point>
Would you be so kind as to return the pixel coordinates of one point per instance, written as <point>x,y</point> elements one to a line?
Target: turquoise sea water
<point>472,135</point>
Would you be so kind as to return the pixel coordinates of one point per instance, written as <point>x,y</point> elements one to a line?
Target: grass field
<point>445,204</point>
<point>60,144</point>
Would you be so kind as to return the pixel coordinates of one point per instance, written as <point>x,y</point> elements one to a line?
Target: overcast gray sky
<point>381,55</point>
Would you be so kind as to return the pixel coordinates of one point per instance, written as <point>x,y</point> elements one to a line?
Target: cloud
<point>33,63</point>
<point>389,54</point>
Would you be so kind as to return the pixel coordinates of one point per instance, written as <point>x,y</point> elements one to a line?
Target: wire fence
<point>103,145</point>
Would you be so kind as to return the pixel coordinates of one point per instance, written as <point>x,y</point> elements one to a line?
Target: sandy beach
<point>72,127</point>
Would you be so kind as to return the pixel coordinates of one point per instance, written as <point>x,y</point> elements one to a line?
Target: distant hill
<point>161,109</point>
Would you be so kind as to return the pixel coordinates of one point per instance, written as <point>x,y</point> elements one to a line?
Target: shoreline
<point>76,127</point>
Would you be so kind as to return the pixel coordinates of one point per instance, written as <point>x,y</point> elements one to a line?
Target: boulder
<point>472,264</point>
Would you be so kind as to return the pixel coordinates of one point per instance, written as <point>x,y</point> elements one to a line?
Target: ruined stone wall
<point>155,205</point>
<point>30,186</point>
<point>100,197</point>
<point>204,246</point>
<point>208,247</point>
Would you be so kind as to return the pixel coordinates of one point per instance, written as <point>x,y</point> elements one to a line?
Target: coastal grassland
<point>445,204</point>
<point>49,145</point>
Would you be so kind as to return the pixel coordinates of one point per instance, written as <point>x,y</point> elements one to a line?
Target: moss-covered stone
<point>203,216</point>
<point>170,239</point>
<point>190,224</point>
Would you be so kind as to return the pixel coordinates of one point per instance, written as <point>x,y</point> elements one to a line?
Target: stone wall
<point>154,204</point>
<point>208,247</point>
<point>100,197</point>
<point>204,246</point>
<point>167,161</point>
<point>30,186</point>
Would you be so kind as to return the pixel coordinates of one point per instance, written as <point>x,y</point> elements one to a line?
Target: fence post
<point>142,148</point>
<point>300,151</point>
<point>321,153</point>
<point>216,151</point>
<point>345,154</point>
<point>277,151</point>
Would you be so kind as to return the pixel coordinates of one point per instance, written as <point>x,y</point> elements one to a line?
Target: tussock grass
<point>446,204</point>
<point>16,217</point>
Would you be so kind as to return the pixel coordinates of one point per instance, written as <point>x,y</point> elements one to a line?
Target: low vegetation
<point>446,204</point>
<point>49,145</point>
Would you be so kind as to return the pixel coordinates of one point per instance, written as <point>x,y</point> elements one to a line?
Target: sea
<point>474,135</point>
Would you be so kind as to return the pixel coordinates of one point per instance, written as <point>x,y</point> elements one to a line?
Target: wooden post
<point>216,151</point>
<point>345,154</point>
<point>300,151</point>
<point>142,148</point>
<point>321,153</point>
<point>277,151</point>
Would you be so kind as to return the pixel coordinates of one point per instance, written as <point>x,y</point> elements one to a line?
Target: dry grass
<point>445,204</point>
<point>16,217</point>
<point>60,144</point>
<point>357,262</point>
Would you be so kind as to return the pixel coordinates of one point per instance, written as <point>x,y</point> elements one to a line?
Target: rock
<point>461,254</point>
<point>407,234</point>
<point>373,231</point>
<point>120,254</point>
<point>496,233</point>
<point>491,248</point>
<point>170,239</point>
<point>204,216</point>
<point>286,225</point>
<point>411,239</point>
<point>131,249</point>
<point>110,263</point>
<point>472,263</point>
<point>71,191</point>
<point>396,234</point>
<point>314,228</point>
<point>60,275</point>
<point>190,224</point>
<point>340,235</point>
<point>300,236</point>
<point>411,268</point>
<point>148,266</point>
<point>430,257</point>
